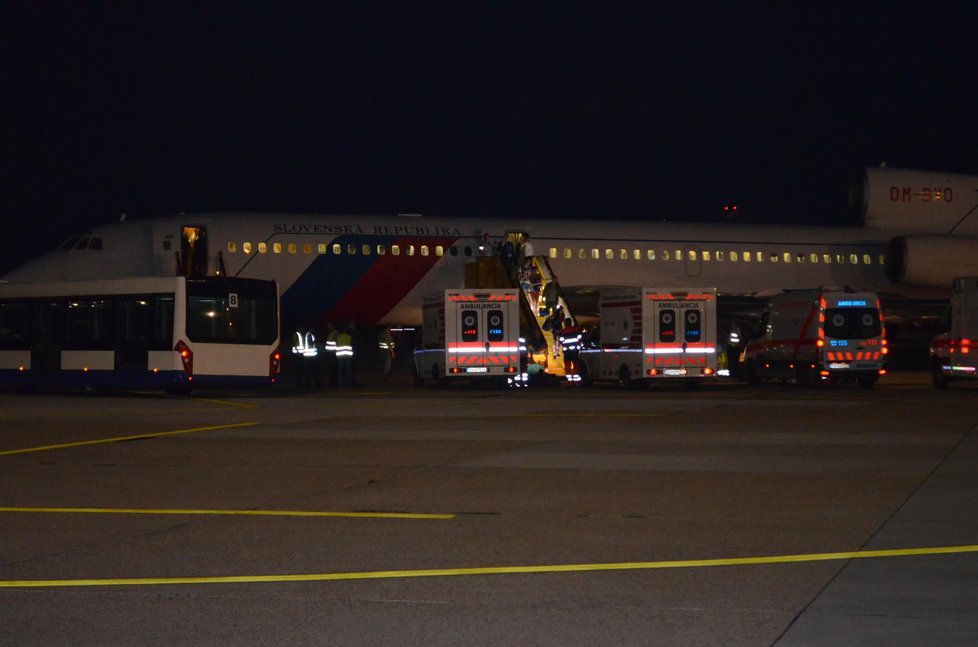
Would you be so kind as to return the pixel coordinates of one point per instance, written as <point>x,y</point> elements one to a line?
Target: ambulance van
<point>648,334</point>
<point>471,334</point>
<point>815,336</point>
<point>954,353</point>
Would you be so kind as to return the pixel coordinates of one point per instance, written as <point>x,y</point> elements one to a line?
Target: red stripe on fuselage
<point>387,281</point>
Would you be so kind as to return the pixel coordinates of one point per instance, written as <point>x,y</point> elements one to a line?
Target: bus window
<point>243,313</point>
<point>667,325</point>
<point>15,326</point>
<point>89,325</point>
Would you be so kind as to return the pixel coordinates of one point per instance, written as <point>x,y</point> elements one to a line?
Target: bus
<point>172,333</point>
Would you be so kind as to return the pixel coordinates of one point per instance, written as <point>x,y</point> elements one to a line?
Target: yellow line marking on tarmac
<point>495,570</point>
<point>228,403</point>
<point>256,513</point>
<point>117,439</point>
<point>592,414</point>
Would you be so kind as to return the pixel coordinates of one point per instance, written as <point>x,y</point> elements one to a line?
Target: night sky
<point>525,109</point>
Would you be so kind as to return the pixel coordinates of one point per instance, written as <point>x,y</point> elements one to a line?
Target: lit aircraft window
<point>623,254</point>
<point>679,255</point>
<point>365,249</point>
<point>609,253</point>
<point>439,250</point>
<point>867,259</point>
<point>307,248</point>
<point>733,256</point>
<point>595,254</point>
<point>650,254</point>
<point>581,253</point>
<point>381,250</point>
<point>665,254</point>
<point>276,248</point>
<point>759,256</point>
<point>262,248</point>
<point>813,257</point>
<point>337,249</point>
<point>840,259</point>
<point>706,255</point>
<point>568,252</point>
<point>552,252</point>
<point>246,248</point>
<point>692,255</point>
<point>882,260</point>
<point>720,255</point>
<point>787,257</point>
<point>800,258</point>
<point>351,249</point>
<point>637,254</point>
<point>424,250</point>
<point>396,250</point>
<point>232,247</point>
<point>854,259</point>
<point>774,257</point>
<point>410,250</point>
<point>292,248</point>
<point>321,248</point>
<point>827,259</point>
<point>746,257</point>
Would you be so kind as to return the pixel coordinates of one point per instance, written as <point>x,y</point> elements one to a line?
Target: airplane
<point>918,231</point>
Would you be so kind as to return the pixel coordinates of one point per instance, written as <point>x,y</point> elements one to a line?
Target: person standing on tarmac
<point>385,345</point>
<point>305,351</point>
<point>344,358</point>
<point>329,353</point>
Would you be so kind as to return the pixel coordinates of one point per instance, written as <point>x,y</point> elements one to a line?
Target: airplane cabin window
<point>840,259</point>
<point>424,250</point>
<point>720,255</point>
<point>665,254</point>
<point>410,250</point>
<point>692,255</point>
<point>623,254</point>
<point>882,260</point>
<point>246,248</point>
<point>552,252</point>
<point>746,257</point>
<point>706,255</point>
<point>321,248</point>
<point>337,249</point>
<point>381,250</point>
<point>307,248</point>
<point>609,253</point>
<point>292,248</point>
<point>800,258</point>
<point>276,248</point>
<point>759,256</point>
<point>351,249</point>
<point>232,247</point>
<point>813,257</point>
<point>396,250</point>
<point>637,254</point>
<point>867,259</point>
<point>468,251</point>
<point>787,257</point>
<point>262,248</point>
<point>774,257</point>
<point>733,256</point>
<point>581,253</point>
<point>650,254</point>
<point>679,255</point>
<point>439,250</point>
<point>453,250</point>
<point>827,259</point>
<point>854,259</point>
<point>568,252</point>
<point>365,249</point>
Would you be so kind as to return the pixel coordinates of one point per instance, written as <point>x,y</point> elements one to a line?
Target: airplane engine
<point>916,202</point>
<point>931,261</point>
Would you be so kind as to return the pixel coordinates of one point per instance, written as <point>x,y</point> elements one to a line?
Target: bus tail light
<point>274,363</point>
<point>186,356</point>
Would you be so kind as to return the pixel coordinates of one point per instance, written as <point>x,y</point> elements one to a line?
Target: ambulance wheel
<point>867,382</point>
<point>585,376</point>
<point>440,381</point>
<point>750,373</point>
<point>625,378</point>
<point>940,380</point>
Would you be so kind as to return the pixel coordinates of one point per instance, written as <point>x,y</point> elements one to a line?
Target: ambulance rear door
<point>484,335</point>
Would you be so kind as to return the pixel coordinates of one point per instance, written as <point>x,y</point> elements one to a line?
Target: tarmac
<point>388,514</point>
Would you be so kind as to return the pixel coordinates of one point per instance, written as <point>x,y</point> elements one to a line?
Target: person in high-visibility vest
<point>329,353</point>
<point>571,338</point>
<point>344,357</point>
<point>305,351</point>
<point>385,344</point>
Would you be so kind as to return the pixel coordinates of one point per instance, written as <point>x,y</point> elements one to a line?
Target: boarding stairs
<point>540,295</point>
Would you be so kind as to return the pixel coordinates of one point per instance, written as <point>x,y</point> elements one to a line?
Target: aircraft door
<point>193,251</point>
